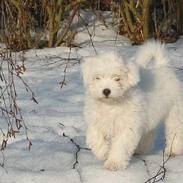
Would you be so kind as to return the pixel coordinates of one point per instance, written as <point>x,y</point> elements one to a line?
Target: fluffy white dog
<point>125,102</point>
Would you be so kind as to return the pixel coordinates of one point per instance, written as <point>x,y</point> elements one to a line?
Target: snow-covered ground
<point>57,128</point>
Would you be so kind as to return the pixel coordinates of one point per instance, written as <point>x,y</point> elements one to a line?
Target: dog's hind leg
<point>174,130</point>
<point>146,143</point>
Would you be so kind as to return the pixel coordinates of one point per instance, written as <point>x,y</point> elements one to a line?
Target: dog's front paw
<point>101,153</point>
<point>115,165</point>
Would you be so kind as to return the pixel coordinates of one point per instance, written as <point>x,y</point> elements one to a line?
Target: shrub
<point>47,23</point>
<point>143,19</point>
<point>36,24</point>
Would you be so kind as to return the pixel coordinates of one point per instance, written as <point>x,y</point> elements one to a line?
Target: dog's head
<point>106,76</point>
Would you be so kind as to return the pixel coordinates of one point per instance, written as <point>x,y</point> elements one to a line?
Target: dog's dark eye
<point>97,77</point>
<point>117,78</point>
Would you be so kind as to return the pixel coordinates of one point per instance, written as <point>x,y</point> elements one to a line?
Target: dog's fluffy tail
<point>152,53</point>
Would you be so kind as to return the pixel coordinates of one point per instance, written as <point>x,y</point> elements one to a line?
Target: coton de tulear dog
<point>125,102</point>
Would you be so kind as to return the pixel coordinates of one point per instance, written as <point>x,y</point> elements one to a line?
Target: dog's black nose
<point>106,92</point>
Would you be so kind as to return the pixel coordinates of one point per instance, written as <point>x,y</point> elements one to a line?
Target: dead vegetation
<point>48,23</point>
<point>11,69</point>
<point>144,19</point>
<point>37,24</point>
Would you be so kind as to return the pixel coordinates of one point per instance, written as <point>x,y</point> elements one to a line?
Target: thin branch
<point>161,173</point>
<point>10,73</point>
<point>63,82</point>
<point>90,35</point>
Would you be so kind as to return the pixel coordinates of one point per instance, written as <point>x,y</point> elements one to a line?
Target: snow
<point>59,111</point>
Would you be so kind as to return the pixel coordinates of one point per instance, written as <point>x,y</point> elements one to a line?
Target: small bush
<point>47,23</point>
<point>143,19</point>
<point>36,24</point>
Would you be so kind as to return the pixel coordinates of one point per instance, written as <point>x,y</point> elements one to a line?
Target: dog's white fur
<point>142,95</point>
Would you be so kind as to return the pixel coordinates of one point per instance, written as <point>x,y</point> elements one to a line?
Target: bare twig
<point>63,82</point>
<point>11,71</point>
<point>147,169</point>
<point>161,173</point>
<point>90,35</point>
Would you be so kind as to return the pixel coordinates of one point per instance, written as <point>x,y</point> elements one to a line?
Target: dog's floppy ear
<point>86,69</point>
<point>132,75</point>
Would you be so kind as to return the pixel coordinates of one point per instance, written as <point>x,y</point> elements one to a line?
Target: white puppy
<point>125,102</point>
